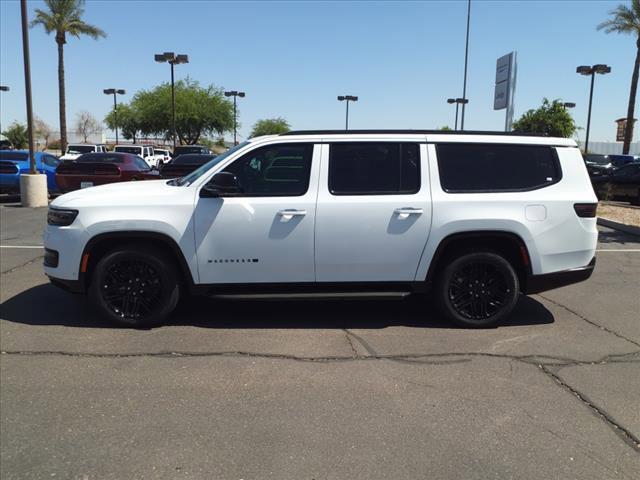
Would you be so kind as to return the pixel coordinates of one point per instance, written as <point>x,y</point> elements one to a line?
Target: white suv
<point>144,151</point>
<point>477,218</point>
<point>74,150</point>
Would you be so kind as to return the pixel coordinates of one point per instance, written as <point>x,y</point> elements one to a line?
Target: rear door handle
<point>405,212</point>
<point>290,213</point>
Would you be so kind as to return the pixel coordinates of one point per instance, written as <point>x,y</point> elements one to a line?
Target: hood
<point>152,192</point>
<point>70,156</point>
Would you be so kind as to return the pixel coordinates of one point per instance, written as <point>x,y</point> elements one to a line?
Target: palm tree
<point>64,17</point>
<point>625,19</point>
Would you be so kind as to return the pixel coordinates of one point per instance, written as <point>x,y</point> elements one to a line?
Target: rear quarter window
<point>482,167</point>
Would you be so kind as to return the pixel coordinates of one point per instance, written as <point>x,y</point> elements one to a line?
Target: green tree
<point>551,118</point>
<point>128,122</point>
<point>446,128</point>
<point>64,17</point>
<point>270,126</point>
<point>626,19</point>
<point>17,135</point>
<point>200,111</point>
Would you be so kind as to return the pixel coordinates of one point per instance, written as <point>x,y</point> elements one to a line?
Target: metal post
<point>586,142</point>
<point>27,84</point>
<point>115,115</point>
<point>346,126</point>
<point>235,121</point>
<point>466,59</point>
<point>456,126</point>
<point>173,106</point>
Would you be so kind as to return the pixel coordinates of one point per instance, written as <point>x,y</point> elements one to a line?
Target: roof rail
<point>415,132</point>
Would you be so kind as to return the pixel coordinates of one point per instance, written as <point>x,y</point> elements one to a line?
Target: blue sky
<point>403,59</point>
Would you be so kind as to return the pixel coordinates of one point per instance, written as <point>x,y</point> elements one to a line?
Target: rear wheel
<point>135,286</point>
<point>477,289</point>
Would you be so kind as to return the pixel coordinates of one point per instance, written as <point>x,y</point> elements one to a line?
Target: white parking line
<point>21,246</point>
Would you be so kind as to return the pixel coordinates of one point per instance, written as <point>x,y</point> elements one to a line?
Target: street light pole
<point>457,101</point>
<point>114,91</point>
<point>466,61</point>
<point>347,98</point>
<point>3,88</point>
<point>587,70</point>
<point>173,60</point>
<point>235,94</point>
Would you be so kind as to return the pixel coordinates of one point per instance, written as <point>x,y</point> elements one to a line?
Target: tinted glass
<point>13,156</point>
<point>187,149</point>
<point>374,168</point>
<point>188,179</point>
<point>100,157</point>
<point>50,160</point>
<point>275,170</point>
<point>140,163</point>
<point>134,150</point>
<point>192,158</point>
<point>80,148</point>
<point>467,167</point>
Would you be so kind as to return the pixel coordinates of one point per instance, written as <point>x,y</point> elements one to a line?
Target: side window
<point>274,170</point>
<point>50,160</point>
<point>484,167</point>
<point>374,168</point>
<point>140,163</point>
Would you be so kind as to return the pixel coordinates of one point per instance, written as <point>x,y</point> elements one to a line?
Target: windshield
<point>80,148</point>
<point>134,150</point>
<point>198,172</point>
<point>597,159</point>
<point>186,149</point>
<point>191,158</point>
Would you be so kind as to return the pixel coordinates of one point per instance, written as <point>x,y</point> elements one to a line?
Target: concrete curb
<point>630,229</point>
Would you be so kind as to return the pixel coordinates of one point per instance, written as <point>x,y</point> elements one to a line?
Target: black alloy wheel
<point>477,289</point>
<point>135,286</point>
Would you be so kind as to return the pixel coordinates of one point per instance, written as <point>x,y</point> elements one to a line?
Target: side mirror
<point>222,184</point>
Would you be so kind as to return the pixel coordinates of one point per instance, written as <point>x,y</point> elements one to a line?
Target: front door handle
<point>290,213</point>
<point>405,212</point>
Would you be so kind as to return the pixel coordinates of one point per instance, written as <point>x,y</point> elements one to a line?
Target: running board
<point>309,296</point>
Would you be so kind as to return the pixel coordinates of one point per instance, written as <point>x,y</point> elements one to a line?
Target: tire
<point>491,289</point>
<point>135,286</point>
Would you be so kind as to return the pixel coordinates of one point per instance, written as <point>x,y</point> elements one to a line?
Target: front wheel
<point>135,286</point>
<point>477,289</point>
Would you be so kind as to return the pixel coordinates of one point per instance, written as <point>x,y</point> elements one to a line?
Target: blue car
<point>15,162</point>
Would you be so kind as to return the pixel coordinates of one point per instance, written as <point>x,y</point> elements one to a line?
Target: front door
<point>374,211</point>
<point>265,233</point>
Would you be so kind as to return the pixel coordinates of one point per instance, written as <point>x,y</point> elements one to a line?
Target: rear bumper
<point>549,281</point>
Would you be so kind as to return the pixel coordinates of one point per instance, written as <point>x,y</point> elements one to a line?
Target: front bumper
<point>71,286</point>
<point>549,281</point>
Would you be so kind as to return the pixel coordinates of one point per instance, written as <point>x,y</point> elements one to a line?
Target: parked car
<point>622,183</point>
<point>144,151</point>
<point>621,160</point>
<point>93,169</point>
<point>13,163</point>
<point>163,153</point>
<point>598,165</point>
<point>74,150</point>
<point>476,218</point>
<point>182,149</point>
<point>184,164</point>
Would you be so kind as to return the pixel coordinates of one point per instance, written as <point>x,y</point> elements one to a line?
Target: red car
<point>100,168</point>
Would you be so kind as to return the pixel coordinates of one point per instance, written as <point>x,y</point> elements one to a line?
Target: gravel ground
<point>628,216</point>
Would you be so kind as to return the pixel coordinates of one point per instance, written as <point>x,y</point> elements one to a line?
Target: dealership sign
<point>505,86</point>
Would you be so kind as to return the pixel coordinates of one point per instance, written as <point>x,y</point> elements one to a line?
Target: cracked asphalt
<point>331,389</point>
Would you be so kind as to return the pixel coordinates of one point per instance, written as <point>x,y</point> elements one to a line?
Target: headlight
<point>61,217</point>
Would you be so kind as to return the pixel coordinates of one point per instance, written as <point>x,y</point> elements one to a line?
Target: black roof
<point>410,131</point>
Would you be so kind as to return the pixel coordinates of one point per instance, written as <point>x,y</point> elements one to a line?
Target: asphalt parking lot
<point>339,389</point>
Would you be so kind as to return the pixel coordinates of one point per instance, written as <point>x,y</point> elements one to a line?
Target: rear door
<point>374,211</point>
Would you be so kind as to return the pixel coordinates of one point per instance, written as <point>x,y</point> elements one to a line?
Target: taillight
<point>585,210</point>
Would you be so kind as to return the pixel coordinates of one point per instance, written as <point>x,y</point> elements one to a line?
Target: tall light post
<point>172,59</point>
<point>114,92</point>
<point>466,62</point>
<point>586,70</point>
<point>458,102</point>
<point>347,98</point>
<point>235,94</point>
<point>3,88</point>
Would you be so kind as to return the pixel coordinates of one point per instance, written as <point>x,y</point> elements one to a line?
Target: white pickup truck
<point>74,150</point>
